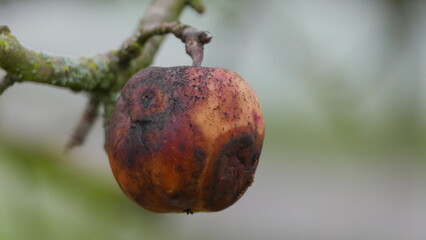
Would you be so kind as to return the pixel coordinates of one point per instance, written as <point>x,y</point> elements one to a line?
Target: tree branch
<point>101,72</point>
<point>102,75</point>
<point>77,74</point>
<point>5,83</point>
<point>86,123</point>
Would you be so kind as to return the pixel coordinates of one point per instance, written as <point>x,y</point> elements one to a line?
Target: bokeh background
<point>343,88</point>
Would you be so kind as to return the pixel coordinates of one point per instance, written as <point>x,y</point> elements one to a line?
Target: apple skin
<point>185,139</point>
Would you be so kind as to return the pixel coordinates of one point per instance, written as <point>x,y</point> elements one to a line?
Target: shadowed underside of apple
<point>185,139</point>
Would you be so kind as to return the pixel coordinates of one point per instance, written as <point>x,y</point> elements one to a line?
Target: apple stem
<point>194,44</point>
<point>194,41</point>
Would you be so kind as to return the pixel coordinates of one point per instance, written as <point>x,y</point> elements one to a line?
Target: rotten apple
<point>185,139</point>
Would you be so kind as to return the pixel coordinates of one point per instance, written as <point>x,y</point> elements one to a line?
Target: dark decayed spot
<point>199,155</point>
<point>129,161</point>
<point>255,158</point>
<point>135,142</point>
<point>200,158</point>
<point>147,97</point>
<point>233,172</point>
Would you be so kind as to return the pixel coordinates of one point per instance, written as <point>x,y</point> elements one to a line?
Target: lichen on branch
<point>103,75</point>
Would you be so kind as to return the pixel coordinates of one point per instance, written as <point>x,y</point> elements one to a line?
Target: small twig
<point>194,44</point>
<point>5,83</point>
<point>108,102</point>
<point>194,41</point>
<point>86,123</point>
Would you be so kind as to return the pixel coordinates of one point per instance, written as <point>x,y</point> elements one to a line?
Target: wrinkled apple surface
<point>185,139</point>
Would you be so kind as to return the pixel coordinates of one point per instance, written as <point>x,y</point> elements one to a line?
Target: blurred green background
<point>342,84</point>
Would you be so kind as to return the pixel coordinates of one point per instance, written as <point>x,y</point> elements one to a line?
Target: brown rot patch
<point>129,161</point>
<point>199,160</point>
<point>233,172</point>
<point>146,102</point>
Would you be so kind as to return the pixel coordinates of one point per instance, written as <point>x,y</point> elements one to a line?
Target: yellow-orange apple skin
<point>185,139</point>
